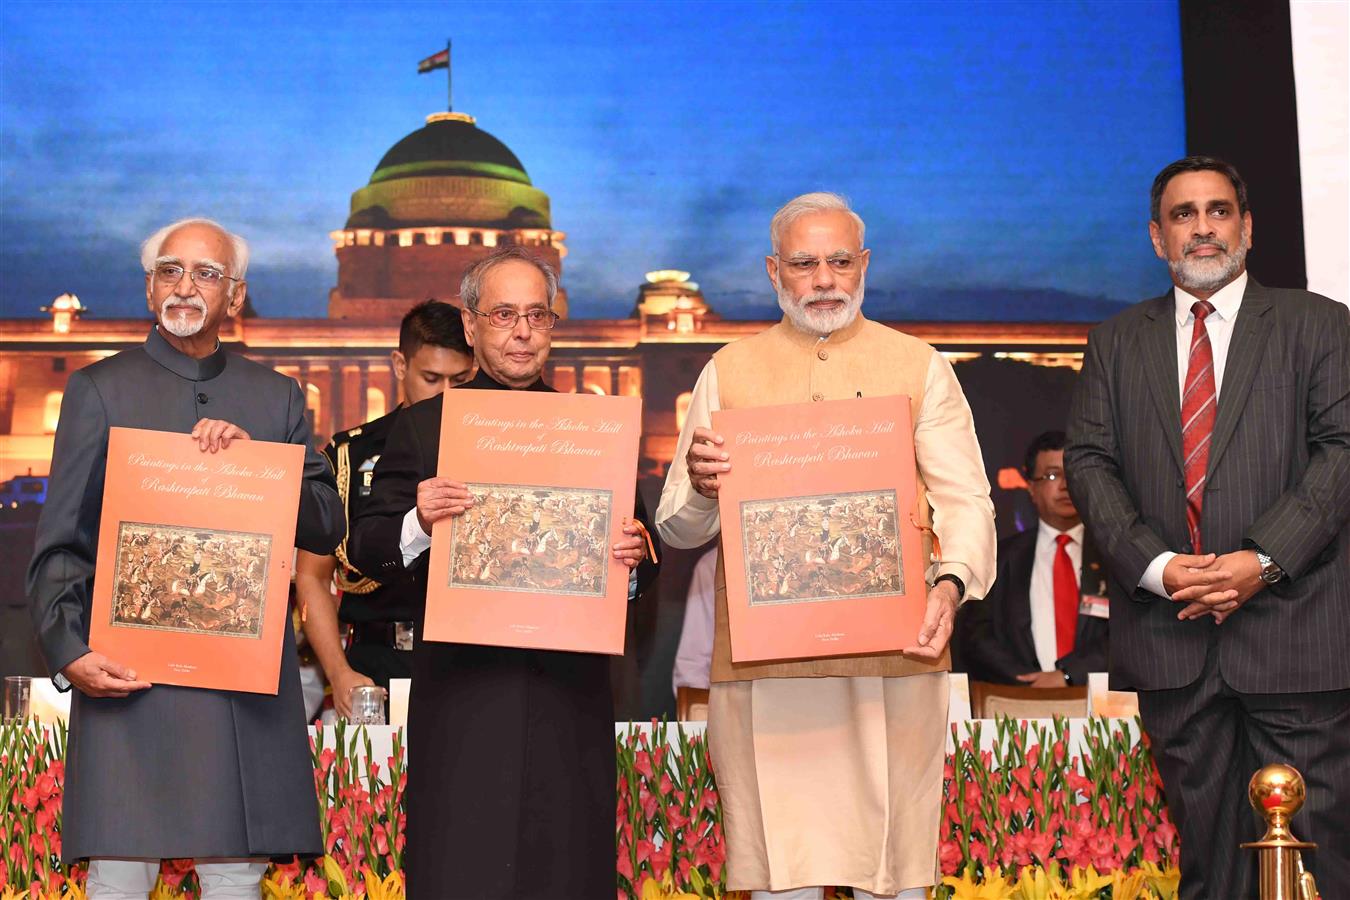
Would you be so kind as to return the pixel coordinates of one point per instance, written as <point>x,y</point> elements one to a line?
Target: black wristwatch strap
<point>960,585</point>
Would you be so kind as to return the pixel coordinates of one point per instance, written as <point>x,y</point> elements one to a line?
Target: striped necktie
<point>1199,406</point>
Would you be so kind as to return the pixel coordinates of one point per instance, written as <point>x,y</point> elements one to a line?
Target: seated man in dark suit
<point>1044,623</point>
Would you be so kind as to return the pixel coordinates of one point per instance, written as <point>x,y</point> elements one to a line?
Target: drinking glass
<point>368,705</point>
<point>18,697</point>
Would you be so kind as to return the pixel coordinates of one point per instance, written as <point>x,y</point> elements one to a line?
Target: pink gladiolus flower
<point>661,860</point>
<point>949,857</point>
<point>315,883</point>
<point>1005,807</point>
<point>326,760</point>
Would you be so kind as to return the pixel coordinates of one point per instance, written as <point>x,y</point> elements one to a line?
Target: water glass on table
<point>18,698</point>
<point>367,705</point>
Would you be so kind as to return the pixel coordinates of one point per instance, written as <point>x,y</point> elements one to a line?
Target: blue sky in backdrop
<point>1001,153</point>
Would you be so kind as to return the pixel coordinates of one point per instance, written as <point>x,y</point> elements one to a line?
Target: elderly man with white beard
<point>830,770</point>
<point>169,772</point>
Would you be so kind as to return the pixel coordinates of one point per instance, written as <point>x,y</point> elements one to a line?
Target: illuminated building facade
<point>441,198</point>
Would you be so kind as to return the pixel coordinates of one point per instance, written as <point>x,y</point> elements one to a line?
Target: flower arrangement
<point>1026,820</point>
<point>32,775</point>
<point>668,823</point>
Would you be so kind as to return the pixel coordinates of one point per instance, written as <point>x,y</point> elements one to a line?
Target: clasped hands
<point>439,498</point>
<point>707,461</point>
<point>1212,585</point>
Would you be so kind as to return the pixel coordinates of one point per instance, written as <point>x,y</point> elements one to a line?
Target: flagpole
<point>449,83</point>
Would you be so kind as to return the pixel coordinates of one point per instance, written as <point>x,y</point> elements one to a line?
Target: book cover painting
<point>194,559</point>
<point>530,563</point>
<point>821,547</point>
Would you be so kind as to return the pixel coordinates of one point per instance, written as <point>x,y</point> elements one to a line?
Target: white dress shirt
<point>1219,327</point>
<point>693,659</point>
<point>1043,633</point>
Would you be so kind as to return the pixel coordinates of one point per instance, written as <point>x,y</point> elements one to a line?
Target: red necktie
<point>1199,405</point>
<point>1066,598</point>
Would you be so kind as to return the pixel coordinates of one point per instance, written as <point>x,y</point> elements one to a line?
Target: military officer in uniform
<point>431,356</point>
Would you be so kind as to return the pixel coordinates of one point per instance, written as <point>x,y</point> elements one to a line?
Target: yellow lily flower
<point>337,882</point>
<point>662,890</point>
<point>163,892</point>
<point>1127,887</point>
<point>390,888</point>
<point>1037,883</point>
<point>993,887</point>
<point>1163,881</point>
<point>1084,884</point>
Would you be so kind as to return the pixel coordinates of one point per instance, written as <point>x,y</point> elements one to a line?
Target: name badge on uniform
<point>1095,605</point>
<point>367,471</point>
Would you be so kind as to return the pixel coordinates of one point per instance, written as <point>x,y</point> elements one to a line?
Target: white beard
<point>181,325</point>
<point>1208,274</point>
<point>821,322</point>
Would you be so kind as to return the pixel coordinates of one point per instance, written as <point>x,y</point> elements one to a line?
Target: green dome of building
<point>449,173</point>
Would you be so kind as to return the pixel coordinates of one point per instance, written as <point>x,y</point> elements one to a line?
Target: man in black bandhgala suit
<point>511,772</point>
<point>1209,452</point>
<point>164,771</point>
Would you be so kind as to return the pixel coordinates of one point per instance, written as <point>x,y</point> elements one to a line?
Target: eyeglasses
<point>839,263</point>
<point>506,317</point>
<point>1049,476</point>
<point>204,278</point>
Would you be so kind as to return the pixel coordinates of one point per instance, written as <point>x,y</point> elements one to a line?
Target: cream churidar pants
<point>134,879</point>
<point>830,781</point>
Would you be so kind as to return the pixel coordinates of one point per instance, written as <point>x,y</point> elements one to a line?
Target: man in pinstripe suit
<point>1209,453</point>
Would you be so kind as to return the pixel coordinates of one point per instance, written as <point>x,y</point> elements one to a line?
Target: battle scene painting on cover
<point>821,543</point>
<point>529,564</point>
<point>194,559</point>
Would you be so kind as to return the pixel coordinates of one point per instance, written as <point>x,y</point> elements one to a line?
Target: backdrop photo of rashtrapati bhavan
<point>448,191</point>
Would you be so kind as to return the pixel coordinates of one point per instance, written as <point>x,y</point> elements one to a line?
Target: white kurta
<point>838,781</point>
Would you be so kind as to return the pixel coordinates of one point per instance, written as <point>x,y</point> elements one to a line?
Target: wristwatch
<point>960,585</point>
<point>1270,570</point>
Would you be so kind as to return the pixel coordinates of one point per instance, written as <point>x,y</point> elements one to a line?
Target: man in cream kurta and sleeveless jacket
<point>830,770</point>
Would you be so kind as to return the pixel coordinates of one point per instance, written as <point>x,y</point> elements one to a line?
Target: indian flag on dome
<point>435,61</point>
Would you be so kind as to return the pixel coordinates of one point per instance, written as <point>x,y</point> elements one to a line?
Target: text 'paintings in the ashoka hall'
<point>175,578</point>
<point>832,547</point>
<point>532,539</point>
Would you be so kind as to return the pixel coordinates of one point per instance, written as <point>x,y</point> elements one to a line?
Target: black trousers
<point>1209,739</point>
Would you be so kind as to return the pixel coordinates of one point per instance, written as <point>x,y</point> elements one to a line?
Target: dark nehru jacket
<point>511,779</point>
<point>170,771</point>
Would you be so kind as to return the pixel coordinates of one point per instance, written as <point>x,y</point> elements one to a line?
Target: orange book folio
<point>530,564</point>
<point>821,546</point>
<point>194,559</point>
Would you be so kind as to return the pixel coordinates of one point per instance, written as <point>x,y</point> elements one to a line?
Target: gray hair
<point>150,246</point>
<point>814,202</point>
<point>471,285</point>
